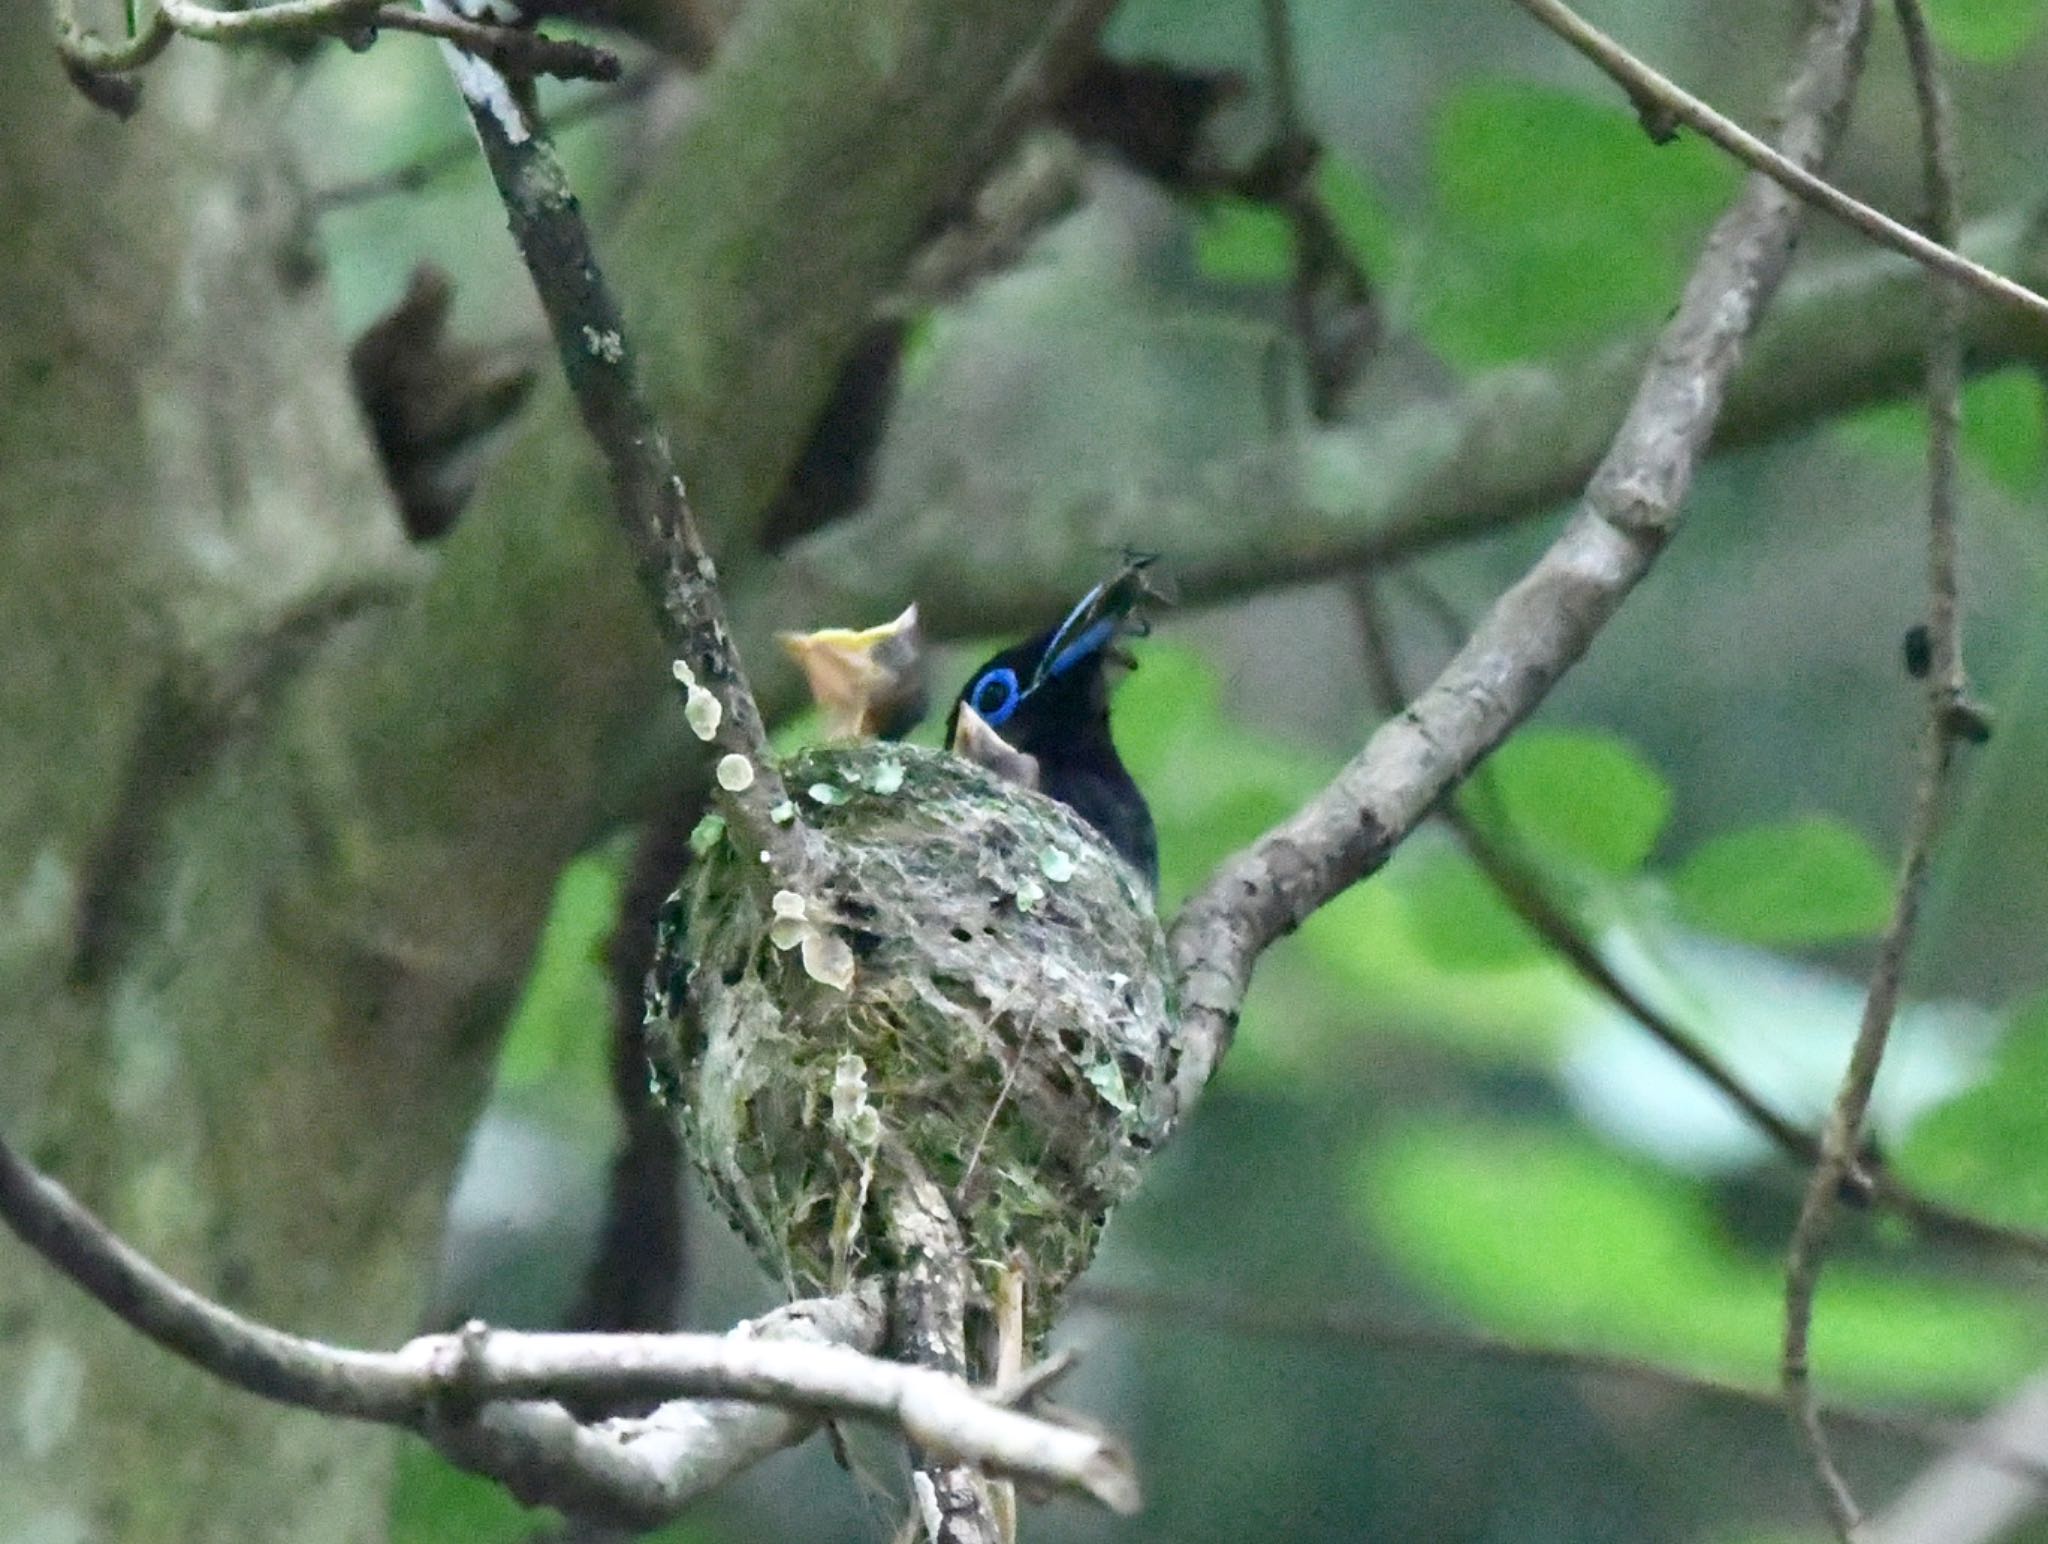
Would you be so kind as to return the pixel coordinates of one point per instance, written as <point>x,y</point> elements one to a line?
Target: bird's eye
<point>995,696</point>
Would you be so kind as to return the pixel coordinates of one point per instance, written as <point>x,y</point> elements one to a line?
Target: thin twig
<point>1346,1324</point>
<point>1661,99</point>
<point>1842,1133</point>
<point>437,1379</point>
<point>647,489</point>
<point>1541,626</point>
<point>514,49</point>
<point>280,18</point>
<point>459,150</point>
<point>89,52</point>
<point>928,1314</point>
<point>1323,264</point>
<point>1525,895</point>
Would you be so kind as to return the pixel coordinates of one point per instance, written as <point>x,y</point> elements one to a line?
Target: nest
<point>1004,1032</point>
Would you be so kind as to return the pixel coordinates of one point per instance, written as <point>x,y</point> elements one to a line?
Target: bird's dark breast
<point>1109,801</point>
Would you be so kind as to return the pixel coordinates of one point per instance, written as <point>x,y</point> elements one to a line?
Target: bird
<point>1037,714</point>
<point>869,682</point>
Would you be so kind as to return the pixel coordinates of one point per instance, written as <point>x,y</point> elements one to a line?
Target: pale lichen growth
<point>605,344</point>
<point>683,673</point>
<point>828,959</point>
<point>735,773</point>
<point>827,794</point>
<point>704,712</point>
<point>791,925</point>
<point>783,813</point>
<point>1056,864</point>
<point>852,1116</point>
<point>888,777</point>
<point>485,89</point>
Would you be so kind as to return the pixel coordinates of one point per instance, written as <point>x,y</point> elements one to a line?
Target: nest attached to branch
<point>973,997</point>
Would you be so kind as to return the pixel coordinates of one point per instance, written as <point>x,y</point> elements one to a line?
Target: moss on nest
<point>1005,1031</point>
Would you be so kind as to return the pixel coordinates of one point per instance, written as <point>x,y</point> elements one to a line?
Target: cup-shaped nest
<point>971,993</point>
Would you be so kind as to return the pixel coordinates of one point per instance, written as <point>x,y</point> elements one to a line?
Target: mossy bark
<point>187,507</point>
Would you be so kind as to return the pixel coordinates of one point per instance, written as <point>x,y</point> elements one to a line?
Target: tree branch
<point>1948,718</point>
<point>512,49</point>
<point>1345,1324</point>
<point>1524,893</point>
<point>639,1472</point>
<point>647,490</point>
<point>1542,624</point>
<point>440,1381</point>
<point>1436,469</point>
<point>1662,103</point>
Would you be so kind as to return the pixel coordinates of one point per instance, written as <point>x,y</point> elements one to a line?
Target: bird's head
<point>1053,688</point>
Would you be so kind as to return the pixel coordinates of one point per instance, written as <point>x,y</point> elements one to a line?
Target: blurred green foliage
<point>1988,1147</point>
<point>1545,1234</point>
<point>1985,31</point>
<point>1571,800</point>
<point>1786,883</point>
<point>2003,436</point>
<point>1556,223</point>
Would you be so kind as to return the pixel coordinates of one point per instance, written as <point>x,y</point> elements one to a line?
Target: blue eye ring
<point>995,696</point>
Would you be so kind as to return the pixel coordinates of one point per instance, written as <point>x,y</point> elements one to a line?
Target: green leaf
<point>1544,1234</point>
<point>432,1501</point>
<point>1987,1149</point>
<point>1985,31</point>
<point>2005,429</point>
<point>1240,242</point>
<point>1571,798</point>
<point>1364,945</point>
<point>1557,222</point>
<point>1806,881</point>
<point>1459,921</point>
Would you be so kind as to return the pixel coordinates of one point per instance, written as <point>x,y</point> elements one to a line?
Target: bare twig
<point>1541,625</point>
<point>1345,1324</point>
<point>1329,296</point>
<point>458,151</point>
<point>929,1327</point>
<point>280,18</point>
<point>440,1381</point>
<point>1842,1134</point>
<point>1432,470</point>
<point>639,1472</point>
<point>1524,893</point>
<point>514,49</point>
<point>85,51</point>
<point>1525,896</point>
<point>1662,101</point>
<point>647,489</point>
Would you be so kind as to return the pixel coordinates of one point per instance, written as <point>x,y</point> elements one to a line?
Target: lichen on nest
<point>973,991</point>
